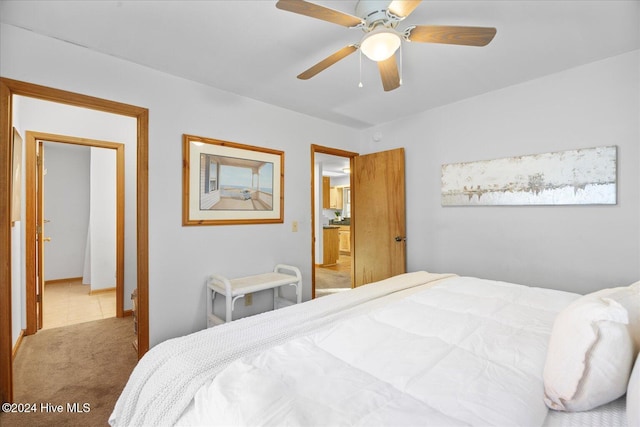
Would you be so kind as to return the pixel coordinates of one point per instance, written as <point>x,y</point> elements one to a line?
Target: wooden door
<point>40,233</point>
<point>379,230</point>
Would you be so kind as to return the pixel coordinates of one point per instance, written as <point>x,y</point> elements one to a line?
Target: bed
<point>416,349</point>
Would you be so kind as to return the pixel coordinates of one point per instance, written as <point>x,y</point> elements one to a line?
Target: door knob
<point>400,239</point>
<point>46,239</point>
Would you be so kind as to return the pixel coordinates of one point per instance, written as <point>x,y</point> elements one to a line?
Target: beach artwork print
<point>230,183</point>
<point>583,176</point>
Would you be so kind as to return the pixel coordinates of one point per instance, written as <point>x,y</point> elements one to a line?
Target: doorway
<point>83,237</point>
<point>9,88</point>
<point>377,223</point>
<point>332,239</point>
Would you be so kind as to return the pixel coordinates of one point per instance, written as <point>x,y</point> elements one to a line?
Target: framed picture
<point>225,183</point>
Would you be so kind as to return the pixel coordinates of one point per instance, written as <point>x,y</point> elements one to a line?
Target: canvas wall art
<point>583,176</point>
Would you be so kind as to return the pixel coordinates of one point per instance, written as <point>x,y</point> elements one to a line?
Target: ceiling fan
<point>378,20</point>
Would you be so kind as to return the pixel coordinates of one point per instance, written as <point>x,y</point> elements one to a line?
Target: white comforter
<point>465,352</point>
<point>411,350</point>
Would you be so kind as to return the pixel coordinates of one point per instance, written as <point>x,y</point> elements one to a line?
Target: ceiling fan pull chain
<point>360,84</point>
<point>400,65</point>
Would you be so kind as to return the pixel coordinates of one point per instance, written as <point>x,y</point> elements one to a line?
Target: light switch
<point>294,226</point>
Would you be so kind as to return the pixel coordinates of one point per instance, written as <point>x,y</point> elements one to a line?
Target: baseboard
<point>127,313</point>
<point>69,279</point>
<point>17,346</point>
<point>101,291</point>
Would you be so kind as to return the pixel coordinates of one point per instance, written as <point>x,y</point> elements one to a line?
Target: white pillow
<point>629,298</point>
<point>633,396</point>
<point>589,356</point>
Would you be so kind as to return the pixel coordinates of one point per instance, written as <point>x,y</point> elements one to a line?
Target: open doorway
<point>377,222</point>
<point>80,213</point>
<point>332,219</point>
<point>9,327</point>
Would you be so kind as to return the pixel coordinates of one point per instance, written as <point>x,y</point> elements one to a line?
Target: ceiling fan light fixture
<point>380,44</point>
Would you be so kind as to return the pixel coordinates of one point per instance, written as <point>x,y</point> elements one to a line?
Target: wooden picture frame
<point>226,183</point>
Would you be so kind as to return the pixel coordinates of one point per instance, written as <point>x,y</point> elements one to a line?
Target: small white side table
<point>233,289</point>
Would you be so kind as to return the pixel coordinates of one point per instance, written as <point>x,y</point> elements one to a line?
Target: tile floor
<point>67,303</point>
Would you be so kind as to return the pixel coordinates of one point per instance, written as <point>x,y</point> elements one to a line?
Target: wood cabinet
<point>344,236</point>
<point>331,196</point>
<point>335,198</point>
<point>326,190</point>
<point>330,246</point>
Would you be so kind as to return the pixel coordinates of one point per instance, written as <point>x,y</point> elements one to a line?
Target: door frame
<point>33,207</point>
<point>334,152</point>
<point>8,88</point>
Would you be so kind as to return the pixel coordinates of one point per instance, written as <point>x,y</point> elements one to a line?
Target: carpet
<point>72,376</point>
<point>332,280</point>
<point>329,279</point>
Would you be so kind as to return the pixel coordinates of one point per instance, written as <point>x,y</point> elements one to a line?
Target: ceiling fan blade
<point>327,62</point>
<point>403,8</point>
<point>467,36</point>
<point>320,12</point>
<point>389,73</point>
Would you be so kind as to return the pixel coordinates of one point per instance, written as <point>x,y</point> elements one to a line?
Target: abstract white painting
<point>584,176</point>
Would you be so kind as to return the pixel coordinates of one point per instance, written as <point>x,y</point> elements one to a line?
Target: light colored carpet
<point>330,279</point>
<point>81,367</point>
<point>334,279</point>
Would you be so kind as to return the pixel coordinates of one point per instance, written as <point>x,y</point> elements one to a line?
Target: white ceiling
<point>332,165</point>
<point>253,49</point>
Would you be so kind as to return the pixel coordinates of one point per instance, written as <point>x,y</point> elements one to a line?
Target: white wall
<point>103,219</point>
<point>340,181</point>
<point>66,207</point>
<point>320,220</point>
<point>180,257</point>
<point>18,315</point>
<point>18,292</point>
<point>575,248</point>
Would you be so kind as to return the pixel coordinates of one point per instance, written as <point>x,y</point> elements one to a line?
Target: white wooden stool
<point>233,289</point>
